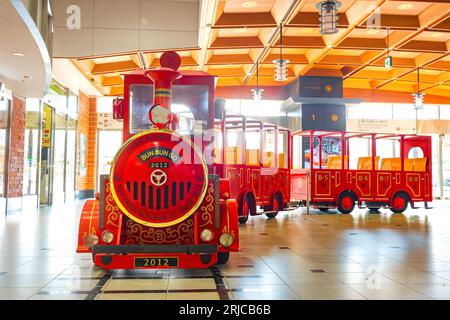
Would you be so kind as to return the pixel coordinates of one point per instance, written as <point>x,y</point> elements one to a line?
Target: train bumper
<point>155,256</point>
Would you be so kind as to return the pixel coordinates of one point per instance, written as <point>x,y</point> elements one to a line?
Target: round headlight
<point>159,115</point>
<point>107,237</point>
<point>226,240</point>
<point>206,235</point>
<point>90,240</point>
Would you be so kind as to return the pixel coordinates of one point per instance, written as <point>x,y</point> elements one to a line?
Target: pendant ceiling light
<point>328,16</point>
<point>418,96</point>
<point>281,64</point>
<point>257,92</point>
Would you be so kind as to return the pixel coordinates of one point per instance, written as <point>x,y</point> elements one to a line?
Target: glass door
<point>71,159</point>
<point>446,165</point>
<point>59,158</point>
<point>31,148</point>
<point>5,106</point>
<point>46,155</point>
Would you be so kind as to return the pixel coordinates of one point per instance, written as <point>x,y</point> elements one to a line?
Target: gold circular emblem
<point>334,117</point>
<point>328,88</point>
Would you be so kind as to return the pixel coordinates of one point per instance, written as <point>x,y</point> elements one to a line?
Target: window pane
<point>404,111</point>
<point>444,112</point>
<point>429,112</point>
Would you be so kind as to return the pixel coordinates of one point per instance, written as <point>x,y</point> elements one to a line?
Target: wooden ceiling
<point>236,34</point>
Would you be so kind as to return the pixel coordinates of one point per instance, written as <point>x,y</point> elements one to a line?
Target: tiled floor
<point>295,256</point>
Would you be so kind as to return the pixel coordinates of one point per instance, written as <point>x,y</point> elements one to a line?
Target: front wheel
<point>277,205</point>
<point>222,257</point>
<point>346,202</point>
<point>399,203</point>
<point>244,210</point>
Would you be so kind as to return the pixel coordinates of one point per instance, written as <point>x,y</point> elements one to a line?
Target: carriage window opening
<point>282,150</point>
<point>268,147</point>
<point>360,153</point>
<point>297,152</point>
<point>253,146</point>
<point>233,147</point>
<point>218,145</point>
<point>415,153</point>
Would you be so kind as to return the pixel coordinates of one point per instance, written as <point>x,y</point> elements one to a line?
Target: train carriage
<point>254,156</point>
<point>163,205</point>
<point>389,171</point>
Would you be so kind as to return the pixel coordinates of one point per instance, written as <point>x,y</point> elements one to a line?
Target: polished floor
<point>295,256</point>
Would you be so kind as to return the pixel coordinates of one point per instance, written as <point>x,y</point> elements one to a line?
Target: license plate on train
<point>155,262</point>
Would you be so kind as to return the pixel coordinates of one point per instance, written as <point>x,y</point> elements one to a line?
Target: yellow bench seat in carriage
<point>420,164</point>
<point>394,164</point>
<point>233,155</point>
<point>365,163</point>
<point>335,162</point>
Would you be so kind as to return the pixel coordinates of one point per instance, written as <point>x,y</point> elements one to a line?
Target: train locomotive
<point>163,205</point>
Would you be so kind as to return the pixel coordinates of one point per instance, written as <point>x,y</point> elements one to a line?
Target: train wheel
<point>277,205</point>
<point>222,257</point>
<point>346,202</point>
<point>244,210</point>
<point>399,203</point>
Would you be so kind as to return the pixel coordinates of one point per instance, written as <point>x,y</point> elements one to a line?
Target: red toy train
<point>163,205</point>
<point>182,180</point>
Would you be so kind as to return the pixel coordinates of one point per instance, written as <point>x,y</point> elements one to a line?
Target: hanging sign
<point>46,126</point>
<point>382,126</point>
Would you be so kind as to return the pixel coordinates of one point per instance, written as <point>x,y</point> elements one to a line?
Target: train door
<point>5,107</point>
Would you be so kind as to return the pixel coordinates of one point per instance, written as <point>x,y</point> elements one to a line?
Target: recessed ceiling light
<point>249,4</point>
<point>405,6</point>
<point>306,30</point>
<point>436,35</point>
<point>240,30</point>
<point>19,54</point>
<point>372,31</point>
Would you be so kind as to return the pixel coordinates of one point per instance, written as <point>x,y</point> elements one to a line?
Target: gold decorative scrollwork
<point>139,234</point>
<point>112,209</point>
<point>207,210</point>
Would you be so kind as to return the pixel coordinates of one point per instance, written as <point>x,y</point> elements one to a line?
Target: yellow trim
<point>92,214</point>
<point>416,175</point>
<point>363,174</point>
<point>151,224</point>
<point>378,183</point>
<point>329,182</point>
